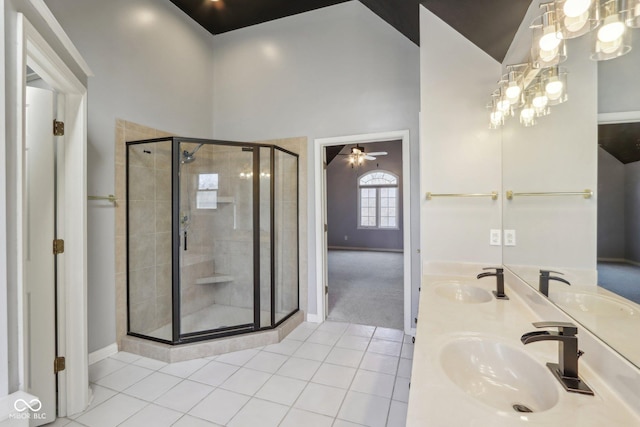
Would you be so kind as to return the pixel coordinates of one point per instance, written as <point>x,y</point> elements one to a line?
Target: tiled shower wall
<point>150,266</point>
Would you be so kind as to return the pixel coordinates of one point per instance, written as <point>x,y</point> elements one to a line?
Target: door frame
<point>321,214</point>
<point>71,304</point>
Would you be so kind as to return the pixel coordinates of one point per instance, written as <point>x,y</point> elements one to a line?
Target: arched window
<point>378,200</point>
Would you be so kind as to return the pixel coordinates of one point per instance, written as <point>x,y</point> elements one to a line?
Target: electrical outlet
<point>346,237</point>
<point>509,237</point>
<point>494,238</point>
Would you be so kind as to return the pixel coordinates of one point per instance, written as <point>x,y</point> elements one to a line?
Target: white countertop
<point>436,401</point>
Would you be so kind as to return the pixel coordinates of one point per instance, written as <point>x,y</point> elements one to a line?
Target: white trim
<point>74,393</point>
<point>319,145</point>
<point>103,353</point>
<point>621,117</point>
<point>51,21</point>
<point>314,318</point>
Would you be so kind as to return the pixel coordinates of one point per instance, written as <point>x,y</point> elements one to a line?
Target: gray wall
<point>152,65</point>
<point>336,71</point>
<point>342,199</point>
<point>632,211</point>
<point>611,206</point>
<point>553,231</point>
<point>459,153</point>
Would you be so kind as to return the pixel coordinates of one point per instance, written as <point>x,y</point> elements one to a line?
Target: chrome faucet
<point>566,370</point>
<point>545,276</point>
<point>499,273</point>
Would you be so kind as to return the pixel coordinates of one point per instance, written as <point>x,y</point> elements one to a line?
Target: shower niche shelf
<point>216,278</point>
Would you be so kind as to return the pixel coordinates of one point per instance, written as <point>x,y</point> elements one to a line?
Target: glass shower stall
<point>212,238</point>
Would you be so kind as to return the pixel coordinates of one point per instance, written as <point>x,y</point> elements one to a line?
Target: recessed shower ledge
<point>179,353</point>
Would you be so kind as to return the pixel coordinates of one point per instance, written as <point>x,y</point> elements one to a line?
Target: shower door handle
<point>185,240</point>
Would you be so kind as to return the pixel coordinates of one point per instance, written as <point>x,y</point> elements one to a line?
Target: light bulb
<point>551,39</point>
<point>575,8</point>
<point>513,92</point>
<point>527,113</point>
<point>554,89</point>
<point>548,55</point>
<point>610,47</point>
<point>611,30</point>
<point>540,101</point>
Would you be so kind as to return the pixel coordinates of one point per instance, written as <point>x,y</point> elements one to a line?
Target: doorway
<point>322,258</point>
<point>365,233</point>
<point>619,208</point>
<point>51,203</point>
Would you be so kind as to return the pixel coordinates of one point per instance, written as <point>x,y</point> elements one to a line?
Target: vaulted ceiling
<point>490,24</point>
<point>621,140</point>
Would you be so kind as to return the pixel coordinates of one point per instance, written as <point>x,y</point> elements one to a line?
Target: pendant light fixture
<point>554,81</point>
<point>539,99</point>
<point>528,112</point>
<point>496,116</point>
<point>611,39</point>
<point>548,46</point>
<point>577,17</point>
<point>514,84</point>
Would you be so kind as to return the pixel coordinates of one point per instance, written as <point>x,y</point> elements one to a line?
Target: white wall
<point>558,154</point>
<point>152,65</point>
<point>336,71</point>
<point>459,154</point>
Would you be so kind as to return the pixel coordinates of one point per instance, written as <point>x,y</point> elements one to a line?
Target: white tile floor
<point>333,374</point>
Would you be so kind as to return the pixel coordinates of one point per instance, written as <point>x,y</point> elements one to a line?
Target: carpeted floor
<point>621,278</point>
<point>366,287</point>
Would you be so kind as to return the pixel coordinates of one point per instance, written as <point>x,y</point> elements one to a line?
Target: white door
<point>39,258</point>
<point>325,247</point>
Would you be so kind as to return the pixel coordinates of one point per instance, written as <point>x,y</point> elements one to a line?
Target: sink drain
<point>521,408</point>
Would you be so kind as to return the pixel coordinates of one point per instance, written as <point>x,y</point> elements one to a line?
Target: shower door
<point>216,232</point>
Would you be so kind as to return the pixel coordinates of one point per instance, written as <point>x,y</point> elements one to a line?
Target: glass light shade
<point>539,99</point>
<point>554,82</point>
<point>633,14</point>
<point>502,102</point>
<point>513,88</point>
<point>548,47</point>
<point>612,38</point>
<point>527,116</point>
<point>496,116</point>
<point>577,17</point>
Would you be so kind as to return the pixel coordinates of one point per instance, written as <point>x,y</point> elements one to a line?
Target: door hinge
<point>58,246</point>
<point>59,364</point>
<point>325,228</point>
<point>58,128</point>
<point>326,289</point>
<point>324,165</point>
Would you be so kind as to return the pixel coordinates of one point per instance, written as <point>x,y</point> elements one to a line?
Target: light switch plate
<point>509,237</point>
<point>494,238</point>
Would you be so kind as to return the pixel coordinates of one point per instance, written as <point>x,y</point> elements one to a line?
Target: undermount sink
<point>499,375</point>
<point>464,294</point>
<point>594,304</point>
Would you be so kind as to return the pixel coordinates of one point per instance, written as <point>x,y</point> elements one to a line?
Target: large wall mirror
<point>591,142</point>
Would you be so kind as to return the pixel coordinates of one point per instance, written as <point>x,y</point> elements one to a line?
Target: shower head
<point>190,157</point>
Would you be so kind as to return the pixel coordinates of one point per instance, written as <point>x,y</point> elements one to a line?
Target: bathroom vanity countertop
<point>435,400</point>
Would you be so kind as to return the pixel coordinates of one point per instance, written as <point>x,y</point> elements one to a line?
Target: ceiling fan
<point>358,155</point>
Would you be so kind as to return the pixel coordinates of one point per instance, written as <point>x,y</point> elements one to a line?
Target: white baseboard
<point>313,318</point>
<point>103,353</point>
